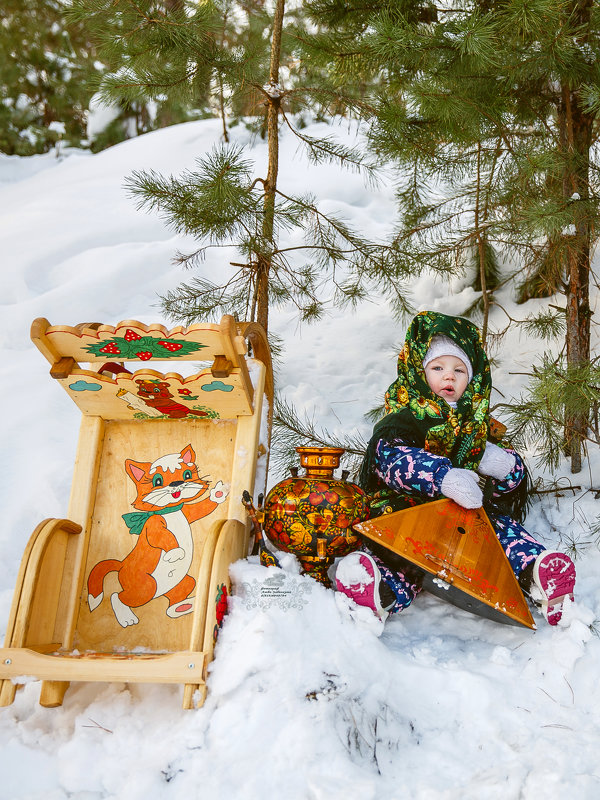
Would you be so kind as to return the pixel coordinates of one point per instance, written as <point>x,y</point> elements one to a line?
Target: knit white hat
<point>444,346</point>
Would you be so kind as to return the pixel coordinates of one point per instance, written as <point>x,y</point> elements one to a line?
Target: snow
<point>352,573</point>
<point>57,127</point>
<point>308,698</point>
<point>100,115</point>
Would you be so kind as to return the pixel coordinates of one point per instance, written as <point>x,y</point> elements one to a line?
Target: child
<point>433,442</point>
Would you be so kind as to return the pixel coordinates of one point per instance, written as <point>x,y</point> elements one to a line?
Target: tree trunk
<point>268,227</point>
<point>481,252</point>
<point>222,104</point>
<point>578,130</point>
<point>575,130</point>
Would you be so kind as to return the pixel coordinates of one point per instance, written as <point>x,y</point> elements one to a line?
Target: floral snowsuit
<point>422,438</point>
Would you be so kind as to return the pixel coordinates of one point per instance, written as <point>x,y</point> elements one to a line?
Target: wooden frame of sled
<point>139,431</point>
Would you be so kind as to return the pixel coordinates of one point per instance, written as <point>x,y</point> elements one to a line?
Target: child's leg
<point>365,579</point>
<point>401,590</point>
<point>547,575</point>
<point>520,547</point>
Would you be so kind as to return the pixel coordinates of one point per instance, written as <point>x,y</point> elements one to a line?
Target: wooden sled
<point>116,591</point>
<point>459,554</point>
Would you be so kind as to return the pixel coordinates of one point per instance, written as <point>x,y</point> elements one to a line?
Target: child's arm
<point>504,465</point>
<point>514,477</point>
<point>410,469</point>
<point>416,471</point>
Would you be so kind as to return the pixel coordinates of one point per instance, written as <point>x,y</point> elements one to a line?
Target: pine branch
<point>290,430</point>
<point>327,149</point>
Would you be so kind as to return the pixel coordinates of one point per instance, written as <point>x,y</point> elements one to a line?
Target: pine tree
<point>292,430</point>
<point>147,83</point>
<point>176,52</point>
<point>493,106</point>
<point>45,67</point>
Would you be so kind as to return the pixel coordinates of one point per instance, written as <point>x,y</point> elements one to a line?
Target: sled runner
<point>460,557</point>
<point>132,586</point>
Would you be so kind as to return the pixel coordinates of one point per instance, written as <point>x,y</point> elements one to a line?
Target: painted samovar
<point>312,516</point>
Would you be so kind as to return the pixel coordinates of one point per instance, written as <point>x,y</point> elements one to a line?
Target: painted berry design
<point>110,348</point>
<point>133,345</point>
<point>220,608</point>
<point>173,347</point>
<point>305,514</point>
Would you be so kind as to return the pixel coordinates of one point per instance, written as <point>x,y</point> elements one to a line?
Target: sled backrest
<point>89,361</point>
<point>114,537</point>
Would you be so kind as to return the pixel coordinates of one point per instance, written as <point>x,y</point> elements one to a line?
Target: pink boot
<point>554,577</point>
<point>358,577</point>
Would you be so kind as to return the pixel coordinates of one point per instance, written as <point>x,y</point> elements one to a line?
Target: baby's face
<point>447,376</point>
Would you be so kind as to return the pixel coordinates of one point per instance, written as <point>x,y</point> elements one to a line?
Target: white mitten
<point>461,486</point>
<point>496,462</point>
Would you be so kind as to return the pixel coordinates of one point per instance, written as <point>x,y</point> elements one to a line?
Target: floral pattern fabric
<point>410,469</point>
<point>414,470</point>
<point>458,433</point>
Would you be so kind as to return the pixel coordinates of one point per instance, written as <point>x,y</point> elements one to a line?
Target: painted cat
<point>170,496</point>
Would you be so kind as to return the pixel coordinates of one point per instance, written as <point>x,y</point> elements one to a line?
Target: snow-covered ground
<point>305,702</point>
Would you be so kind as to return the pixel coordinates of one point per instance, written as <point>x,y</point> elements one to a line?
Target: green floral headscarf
<point>459,434</point>
<point>419,418</point>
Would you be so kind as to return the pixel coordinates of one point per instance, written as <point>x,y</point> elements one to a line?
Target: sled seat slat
<point>181,667</point>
